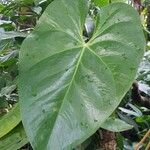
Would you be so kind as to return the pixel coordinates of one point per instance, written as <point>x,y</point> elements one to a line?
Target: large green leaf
<point>14,140</point>
<point>67,87</point>
<point>10,120</point>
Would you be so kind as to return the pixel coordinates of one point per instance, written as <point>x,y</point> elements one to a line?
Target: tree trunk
<point>108,140</point>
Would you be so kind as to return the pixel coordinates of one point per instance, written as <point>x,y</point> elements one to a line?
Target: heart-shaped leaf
<point>68,87</point>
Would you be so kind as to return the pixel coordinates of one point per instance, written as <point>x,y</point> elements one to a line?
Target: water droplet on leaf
<point>43,110</point>
<point>66,69</point>
<point>95,120</point>
<point>34,94</point>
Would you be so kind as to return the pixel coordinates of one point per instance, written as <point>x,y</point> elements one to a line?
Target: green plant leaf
<point>37,2</point>
<point>1,7</point>
<point>67,87</point>
<point>120,139</point>
<point>11,34</point>
<point>8,57</point>
<point>128,111</point>
<point>2,82</point>
<point>10,120</point>
<point>25,2</point>
<point>115,125</point>
<point>128,120</point>
<point>14,140</point>
<point>7,90</point>
<point>102,3</point>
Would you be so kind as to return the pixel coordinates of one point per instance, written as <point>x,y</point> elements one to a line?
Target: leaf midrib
<point>70,84</point>
<point>74,74</point>
<point>92,51</point>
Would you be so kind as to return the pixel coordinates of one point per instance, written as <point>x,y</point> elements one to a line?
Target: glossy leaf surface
<point>115,125</point>
<point>67,87</point>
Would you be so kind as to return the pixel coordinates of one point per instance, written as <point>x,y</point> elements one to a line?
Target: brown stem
<point>137,5</point>
<point>148,146</point>
<point>143,139</point>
